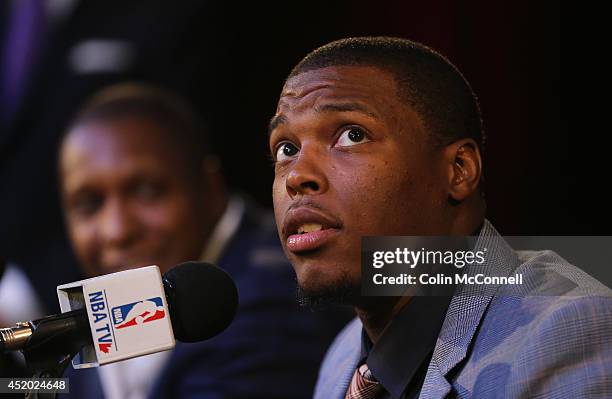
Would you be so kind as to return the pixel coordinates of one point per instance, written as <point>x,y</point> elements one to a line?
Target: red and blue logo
<point>138,313</point>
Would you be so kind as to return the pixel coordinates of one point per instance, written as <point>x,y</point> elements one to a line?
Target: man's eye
<point>147,191</point>
<point>87,205</point>
<point>285,151</point>
<point>351,136</point>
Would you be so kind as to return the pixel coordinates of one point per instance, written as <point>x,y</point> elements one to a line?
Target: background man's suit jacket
<point>550,337</point>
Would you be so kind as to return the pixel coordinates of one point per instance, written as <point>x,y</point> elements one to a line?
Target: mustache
<point>308,203</point>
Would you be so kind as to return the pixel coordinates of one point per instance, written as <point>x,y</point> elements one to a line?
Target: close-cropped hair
<point>428,82</point>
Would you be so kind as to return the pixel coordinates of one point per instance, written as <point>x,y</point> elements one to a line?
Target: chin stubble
<point>340,292</point>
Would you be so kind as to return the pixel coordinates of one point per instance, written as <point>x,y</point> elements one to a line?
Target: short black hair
<point>426,80</point>
<point>178,119</point>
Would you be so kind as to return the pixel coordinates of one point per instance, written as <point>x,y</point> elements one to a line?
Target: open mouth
<point>310,240</point>
<point>307,230</point>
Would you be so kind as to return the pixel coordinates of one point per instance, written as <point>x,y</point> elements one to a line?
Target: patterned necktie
<point>363,385</point>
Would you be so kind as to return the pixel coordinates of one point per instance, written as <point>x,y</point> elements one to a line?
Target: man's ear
<point>464,169</point>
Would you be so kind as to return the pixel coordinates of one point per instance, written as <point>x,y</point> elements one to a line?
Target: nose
<point>307,176</point>
<point>118,227</point>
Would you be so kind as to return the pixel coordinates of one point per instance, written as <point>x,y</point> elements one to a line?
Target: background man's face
<point>351,160</point>
<point>127,198</point>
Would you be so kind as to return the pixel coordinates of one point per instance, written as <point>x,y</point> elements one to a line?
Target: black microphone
<point>202,301</point>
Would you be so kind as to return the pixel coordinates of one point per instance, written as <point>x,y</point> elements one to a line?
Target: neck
<point>377,317</point>
<point>469,220</point>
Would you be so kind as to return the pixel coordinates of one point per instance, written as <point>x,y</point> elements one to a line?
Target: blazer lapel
<point>340,363</point>
<point>346,371</point>
<point>435,385</point>
<point>465,312</point>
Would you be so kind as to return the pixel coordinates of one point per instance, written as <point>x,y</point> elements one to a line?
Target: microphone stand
<point>54,341</point>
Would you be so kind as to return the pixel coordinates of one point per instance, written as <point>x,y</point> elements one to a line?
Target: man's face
<point>352,160</point>
<point>128,201</point>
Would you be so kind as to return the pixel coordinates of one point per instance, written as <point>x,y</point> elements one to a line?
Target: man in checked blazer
<point>383,136</point>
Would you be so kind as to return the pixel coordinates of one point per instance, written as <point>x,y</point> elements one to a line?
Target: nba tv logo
<point>138,313</point>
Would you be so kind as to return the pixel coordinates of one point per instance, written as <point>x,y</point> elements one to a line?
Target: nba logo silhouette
<point>138,313</point>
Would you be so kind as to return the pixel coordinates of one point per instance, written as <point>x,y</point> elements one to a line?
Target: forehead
<point>120,131</point>
<point>368,86</point>
<point>116,146</point>
<point>122,138</point>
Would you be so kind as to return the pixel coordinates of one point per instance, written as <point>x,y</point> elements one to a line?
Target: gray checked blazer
<point>549,338</point>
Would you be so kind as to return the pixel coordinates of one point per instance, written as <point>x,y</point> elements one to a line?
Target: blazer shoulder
<point>546,273</point>
<point>569,351</point>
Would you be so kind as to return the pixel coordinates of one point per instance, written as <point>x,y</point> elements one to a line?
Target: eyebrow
<point>275,122</point>
<point>338,107</point>
<point>346,107</point>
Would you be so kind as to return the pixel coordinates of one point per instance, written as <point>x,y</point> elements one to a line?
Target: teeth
<point>308,227</point>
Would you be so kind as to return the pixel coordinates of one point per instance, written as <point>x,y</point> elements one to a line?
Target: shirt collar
<point>224,230</point>
<point>407,341</point>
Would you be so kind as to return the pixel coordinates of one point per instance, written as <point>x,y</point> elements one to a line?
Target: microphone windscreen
<point>202,300</point>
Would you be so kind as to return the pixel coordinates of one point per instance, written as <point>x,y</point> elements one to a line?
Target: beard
<point>343,291</point>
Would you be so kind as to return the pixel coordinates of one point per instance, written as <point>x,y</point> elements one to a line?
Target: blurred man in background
<point>53,55</point>
<point>140,186</point>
